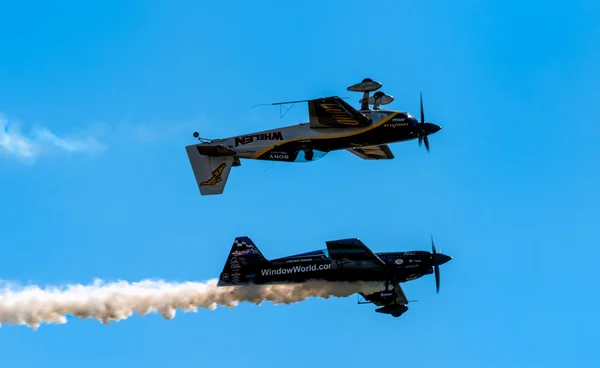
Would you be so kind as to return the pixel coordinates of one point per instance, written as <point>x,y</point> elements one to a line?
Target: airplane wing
<point>333,112</point>
<point>352,254</point>
<point>382,152</point>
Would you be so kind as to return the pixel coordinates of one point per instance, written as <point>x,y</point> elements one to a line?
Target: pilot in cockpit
<point>308,154</point>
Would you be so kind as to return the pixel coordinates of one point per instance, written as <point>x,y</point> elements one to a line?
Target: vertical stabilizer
<point>211,172</point>
<point>244,259</point>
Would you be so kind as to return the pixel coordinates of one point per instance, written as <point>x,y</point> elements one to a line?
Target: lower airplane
<point>343,260</point>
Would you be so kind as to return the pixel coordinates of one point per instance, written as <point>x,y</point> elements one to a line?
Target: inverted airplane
<point>334,125</point>
<point>343,260</point>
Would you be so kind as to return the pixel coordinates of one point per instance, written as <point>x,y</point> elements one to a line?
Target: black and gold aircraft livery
<point>343,260</point>
<point>333,125</point>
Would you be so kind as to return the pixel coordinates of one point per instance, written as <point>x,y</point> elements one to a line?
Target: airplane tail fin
<point>242,263</point>
<point>211,172</point>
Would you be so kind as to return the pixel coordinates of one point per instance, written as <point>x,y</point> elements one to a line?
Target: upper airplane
<point>333,125</point>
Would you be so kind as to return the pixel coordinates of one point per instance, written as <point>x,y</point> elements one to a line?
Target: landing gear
<point>401,309</point>
<point>394,310</point>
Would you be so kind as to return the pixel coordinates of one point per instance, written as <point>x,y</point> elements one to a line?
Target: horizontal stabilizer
<point>219,150</point>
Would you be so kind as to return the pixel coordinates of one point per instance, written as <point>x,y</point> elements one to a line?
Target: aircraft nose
<point>440,259</point>
<point>432,128</point>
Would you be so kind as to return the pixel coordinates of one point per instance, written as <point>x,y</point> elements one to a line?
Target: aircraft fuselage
<point>285,144</point>
<point>400,267</point>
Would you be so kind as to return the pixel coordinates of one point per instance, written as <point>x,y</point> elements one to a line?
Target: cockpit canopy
<point>307,155</point>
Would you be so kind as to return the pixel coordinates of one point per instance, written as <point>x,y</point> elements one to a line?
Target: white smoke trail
<point>116,301</point>
<point>41,141</point>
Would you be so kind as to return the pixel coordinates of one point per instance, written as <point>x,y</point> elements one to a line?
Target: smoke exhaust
<point>116,301</point>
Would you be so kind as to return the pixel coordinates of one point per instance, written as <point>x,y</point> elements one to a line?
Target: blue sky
<point>510,188</point>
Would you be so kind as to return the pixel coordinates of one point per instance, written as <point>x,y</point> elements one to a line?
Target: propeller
<point>436,268</point>
<point>421,132</point>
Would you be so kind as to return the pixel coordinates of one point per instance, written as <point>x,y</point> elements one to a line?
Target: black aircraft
<point>343,260</point>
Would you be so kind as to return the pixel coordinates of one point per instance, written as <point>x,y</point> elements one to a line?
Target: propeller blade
<point>436,268</point>
<point>421,133</point>
<point>437,279</point>
<point>422,112</point>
